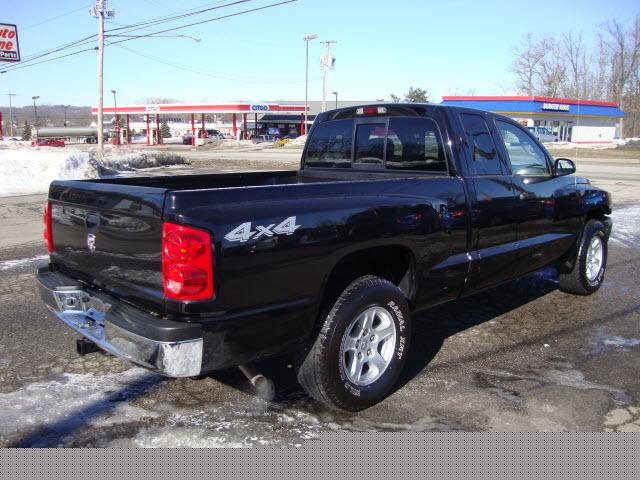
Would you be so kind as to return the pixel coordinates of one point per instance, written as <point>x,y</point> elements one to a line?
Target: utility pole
<point>327,62</point>
<point>99,12</point>
<point>35,111</point>
<point>10,114</point>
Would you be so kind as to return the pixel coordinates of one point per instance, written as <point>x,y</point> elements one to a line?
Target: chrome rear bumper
<point>170,348</point>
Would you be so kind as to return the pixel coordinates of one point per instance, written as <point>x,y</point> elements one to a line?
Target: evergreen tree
<point>165,131</point>
<point>26,131</point>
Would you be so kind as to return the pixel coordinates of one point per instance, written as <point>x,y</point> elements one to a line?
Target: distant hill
<point>48,116</point>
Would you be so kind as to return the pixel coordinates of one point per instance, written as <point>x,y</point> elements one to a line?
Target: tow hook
<point>84,346</point>
<point>263,386</point>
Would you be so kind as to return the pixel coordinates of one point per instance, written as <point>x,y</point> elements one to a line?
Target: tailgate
<point>110,235</point>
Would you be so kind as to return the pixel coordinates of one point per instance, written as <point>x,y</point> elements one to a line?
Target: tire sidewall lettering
<point>401,344</point>
<point>598,280</point>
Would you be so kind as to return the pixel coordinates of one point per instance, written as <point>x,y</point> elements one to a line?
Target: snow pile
<point>624,141</point>
<point>7,142</point>
<point>297,142</point>
<point>626,227</point>
<point>231,143</point>
<point>588,146</point>
<point>137,160</point>
<point>31,169</point>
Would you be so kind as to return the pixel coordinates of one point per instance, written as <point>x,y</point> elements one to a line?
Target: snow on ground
<point>58,407</point>
<point>137,409</point>
<point>26,169</point>
<point>21,262</point>
<point>626,227</point>
<point>52,412</point>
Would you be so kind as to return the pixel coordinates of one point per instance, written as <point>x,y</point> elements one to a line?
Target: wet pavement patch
<point>605,341</point>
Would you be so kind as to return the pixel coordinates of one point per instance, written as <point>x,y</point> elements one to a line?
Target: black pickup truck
<point>395,208</point>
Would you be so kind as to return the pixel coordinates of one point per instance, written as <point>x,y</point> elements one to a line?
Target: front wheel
<point>588,270</point>
<point>361,348</point>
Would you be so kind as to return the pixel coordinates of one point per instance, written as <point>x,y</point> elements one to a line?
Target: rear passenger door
<point>493,242</point>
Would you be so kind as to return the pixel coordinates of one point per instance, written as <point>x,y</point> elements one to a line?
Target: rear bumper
<point>174,349</point>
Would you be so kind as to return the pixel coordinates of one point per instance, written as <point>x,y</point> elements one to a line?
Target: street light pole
<point>307,39</point>
<point>64,107</point>
<point>336,94</point>
<point>10,114</point>
<point>115,113</point>
<point>35,111</point>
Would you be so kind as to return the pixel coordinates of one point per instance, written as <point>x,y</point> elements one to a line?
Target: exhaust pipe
<point>264,387</point>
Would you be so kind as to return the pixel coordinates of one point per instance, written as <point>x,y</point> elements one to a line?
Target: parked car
<point>211,135</point>
<point>395,208</point>
<point>49,142</point>
<point>264,139</point>
<point>543,134</point>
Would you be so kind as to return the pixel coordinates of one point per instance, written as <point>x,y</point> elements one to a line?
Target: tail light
<point>48,234</point>
<point>371,111</point>
<point>187,265</point>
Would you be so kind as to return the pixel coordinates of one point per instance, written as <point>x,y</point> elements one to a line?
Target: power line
<point>209,20</point>
<point>132,27</point>
<point>170,18</point>
<point>149,35</point>
<point>218,75</point>
<point>56,17</point>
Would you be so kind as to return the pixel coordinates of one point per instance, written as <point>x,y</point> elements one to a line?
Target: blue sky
<point>382,47</point>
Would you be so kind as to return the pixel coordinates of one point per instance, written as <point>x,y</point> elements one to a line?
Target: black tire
<point>577,281</point>
<point>321,372</point>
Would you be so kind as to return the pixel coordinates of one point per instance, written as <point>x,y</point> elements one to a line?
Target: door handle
<point>528,196</point>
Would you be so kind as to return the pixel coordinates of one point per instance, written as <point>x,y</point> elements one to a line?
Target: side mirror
<point>564,166</point>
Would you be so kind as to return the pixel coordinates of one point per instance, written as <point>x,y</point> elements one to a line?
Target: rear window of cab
<point>395,143</point>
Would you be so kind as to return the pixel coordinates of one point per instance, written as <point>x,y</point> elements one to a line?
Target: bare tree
<point>574,51</point>
<point>623,48</point>
<point>550,72</point>
<point>564,65</point>
<point>526,63</point>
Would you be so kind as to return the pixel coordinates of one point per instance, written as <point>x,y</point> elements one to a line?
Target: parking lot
<point>523,356</point>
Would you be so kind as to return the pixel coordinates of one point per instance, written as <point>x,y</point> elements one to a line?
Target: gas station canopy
<point>196,108</point>
<point>155,110</point>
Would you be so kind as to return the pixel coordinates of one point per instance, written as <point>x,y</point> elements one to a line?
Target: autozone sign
<point>9,51</point>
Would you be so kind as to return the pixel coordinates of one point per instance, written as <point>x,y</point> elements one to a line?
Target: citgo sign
<point>259,108</point>
<point>9,51</point>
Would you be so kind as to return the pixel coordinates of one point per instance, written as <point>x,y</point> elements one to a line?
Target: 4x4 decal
<point>243,232</point>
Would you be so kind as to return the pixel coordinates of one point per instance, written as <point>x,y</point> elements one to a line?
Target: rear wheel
<point>361,348</point>
<point>589,266</point>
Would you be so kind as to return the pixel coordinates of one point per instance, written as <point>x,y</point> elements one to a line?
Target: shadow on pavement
<point>53,434</point>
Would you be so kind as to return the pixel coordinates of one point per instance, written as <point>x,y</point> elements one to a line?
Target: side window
<point>330,144</point>
<point>526,157</point>
<point>414,144</point>
<point>485,156</point>
<point>370,143</point>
